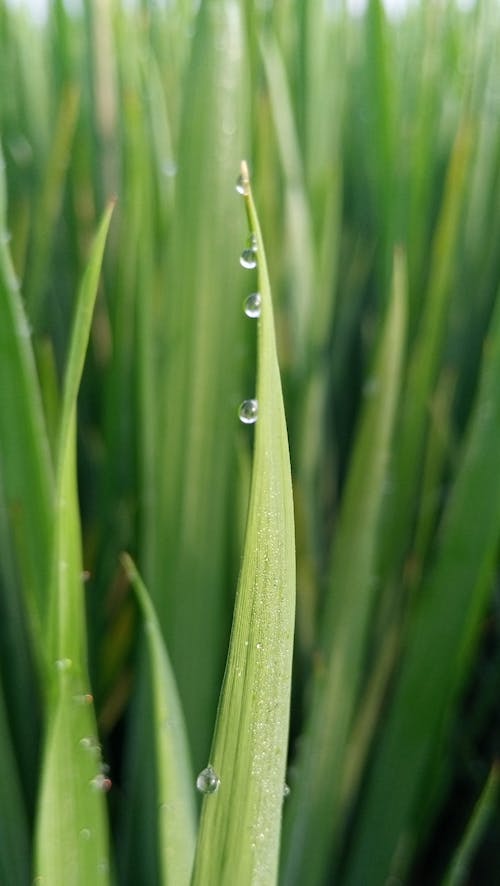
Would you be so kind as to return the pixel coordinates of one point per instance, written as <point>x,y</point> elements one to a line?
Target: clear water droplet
<point>85,834</point>
<point>242,185</point>
<point>253,305</point>
<point>63,664</point>
<point>208,781</point>
<point>286,790</point>
<point>169,168</point>
<point>248,259</point>
<point>100,782</point>
<point>248,412</point>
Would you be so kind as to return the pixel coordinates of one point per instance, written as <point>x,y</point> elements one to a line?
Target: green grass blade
<point>26,469</point>
<point>198,384</point>
<point>479,820</point>
<point>312,819</point>
<point>14,839</point>
<point>71,829</point>
<point>240,825</point>
<point>176,809</point>
<point>440,640</point>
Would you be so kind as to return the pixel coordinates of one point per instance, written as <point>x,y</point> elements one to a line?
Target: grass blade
<point>71,831</point>
<point>313,819</point>
<point>14,840</point>
<point>27,469</point>
<point>251,734</point>
<point>176,809</point>
<point>483,811</point>
<point>440,640</point>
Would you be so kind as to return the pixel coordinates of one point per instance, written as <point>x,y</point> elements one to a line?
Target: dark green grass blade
<point>176,817</point>
<point>24,450</point>
<point>312,820</point>
<point>240,825</point>
<point>199,380</point>
<point>14,836</point>
<point>440,639</point>
<point>482,813</point>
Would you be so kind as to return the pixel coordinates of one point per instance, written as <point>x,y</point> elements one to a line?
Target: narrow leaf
<point>26,469</point>
<point>313,820</point>
<point>71,830</point>
<point>240,825</point>
<point>479,820</point>
<point>438,647</point>
<point>176,810</point>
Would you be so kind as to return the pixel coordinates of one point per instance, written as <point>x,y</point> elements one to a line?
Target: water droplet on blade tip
<point>242,185</point>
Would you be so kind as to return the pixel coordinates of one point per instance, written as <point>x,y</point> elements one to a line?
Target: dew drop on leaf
<point>253,305</point>
<point>208,781</point>
<point>101,782</point>
<point>248,259</point>
<point>248,412</point>
<point>242,185</point>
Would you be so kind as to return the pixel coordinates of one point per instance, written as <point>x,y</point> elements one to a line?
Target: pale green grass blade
<point>176,808</point>
<point>71,827</point>
<point>440,640</point>
<point>240,825</point>
<point>481,815</point>
<point>312,818</point>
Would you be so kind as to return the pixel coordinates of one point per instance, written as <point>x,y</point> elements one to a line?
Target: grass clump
<point>124,356</point>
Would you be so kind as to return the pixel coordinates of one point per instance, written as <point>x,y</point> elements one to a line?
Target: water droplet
<point>63,664</point>
<point>253,305</point>
<point>100,782</point>
<point>286,790</point>
<point>208,781</point>
<point>84,698</point>
<point>89,743</point>
<point>242,185</point>
<point>248,258</point>
<point>259,645</point>
<point>169,168</point>
<point>248,412</point>
<point>85,834</point>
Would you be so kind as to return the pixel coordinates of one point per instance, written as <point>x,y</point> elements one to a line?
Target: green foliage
<point>373,144</point>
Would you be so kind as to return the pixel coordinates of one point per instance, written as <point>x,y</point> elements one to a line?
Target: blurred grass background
<point>374,145</point>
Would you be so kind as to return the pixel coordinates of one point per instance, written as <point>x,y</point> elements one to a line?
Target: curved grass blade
<point>71,828</point>
<point>176,809</point>
<point>312,820</point>
<point>441,638</point>
<point>479,820</point>
<point>240,824</point>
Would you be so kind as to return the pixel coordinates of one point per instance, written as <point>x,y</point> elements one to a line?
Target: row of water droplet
<point>249,409</point>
